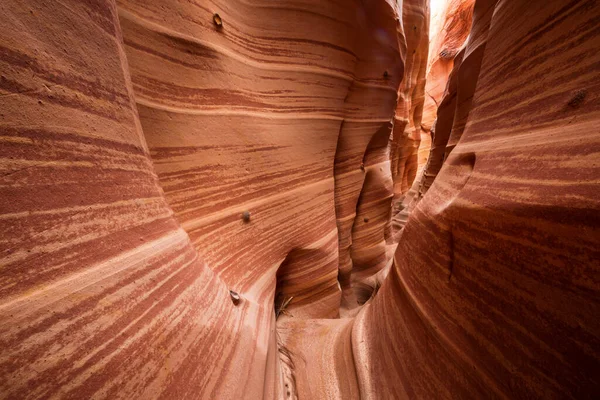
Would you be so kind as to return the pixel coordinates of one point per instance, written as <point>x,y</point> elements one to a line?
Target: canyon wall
<point>450,27</point>
<point>197,198</point>
<point>136,136</point>
<point>102,294</point>
<point>494,291</point>
<point>421,95</point>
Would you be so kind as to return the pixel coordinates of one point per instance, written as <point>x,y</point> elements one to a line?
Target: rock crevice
<point>248,206</point>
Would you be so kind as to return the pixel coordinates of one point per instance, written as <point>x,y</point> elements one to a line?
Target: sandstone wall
<point>449,31</point>
<point>494,289</point>
<point>135,135</point>
<point>114,115</point>
<point>102,294</point>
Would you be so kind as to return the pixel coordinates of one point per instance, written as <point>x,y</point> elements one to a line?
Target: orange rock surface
<point>449,29</point>
<point>222,200</point>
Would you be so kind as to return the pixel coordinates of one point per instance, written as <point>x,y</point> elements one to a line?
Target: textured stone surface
<point>450,27</point>
<point>494,290</point>
<point>236,120</point>
<point>114,293</point>
<point>134,136</point>
<point>407,121</point>
<point>102,294</point>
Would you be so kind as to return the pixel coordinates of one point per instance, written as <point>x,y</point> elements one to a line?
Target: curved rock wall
<point>155,157</point>
<point>363,181</point>
<point>261,114</point>
<point>242,117</point>
<point>450,25</point>
<point>456,104</point>
<point>407,120</point>
<point>102,294</point>
<point>494,290</point>
<point>450,28</point>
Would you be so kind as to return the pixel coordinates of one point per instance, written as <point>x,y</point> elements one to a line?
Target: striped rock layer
<point>450,26</point>
<point>407,120</point>
<point>494,292</point>
<point>192,193</point>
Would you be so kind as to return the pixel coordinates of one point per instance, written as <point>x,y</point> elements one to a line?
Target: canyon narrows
<point>299,199</point>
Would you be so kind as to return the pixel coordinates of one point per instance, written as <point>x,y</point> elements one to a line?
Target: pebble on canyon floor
<point>246,216</point>
<point>235,297</point>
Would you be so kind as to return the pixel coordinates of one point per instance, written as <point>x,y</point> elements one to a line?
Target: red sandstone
<point>136,135</point>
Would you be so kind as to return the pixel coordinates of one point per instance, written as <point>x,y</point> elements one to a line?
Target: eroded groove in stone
<point>196,198</point>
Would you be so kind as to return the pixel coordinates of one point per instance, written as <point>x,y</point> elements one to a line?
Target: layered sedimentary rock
<point>455,106</point>
<point>244,117</point>
<point>191,192</point>
<point>363,181</point>
<point>232,119</point>
<point>102,293</point>
<point>407,120</point>
<point>494,289</point>
<point>450,27</point>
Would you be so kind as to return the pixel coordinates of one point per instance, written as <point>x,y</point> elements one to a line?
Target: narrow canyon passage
<point>299,199</point>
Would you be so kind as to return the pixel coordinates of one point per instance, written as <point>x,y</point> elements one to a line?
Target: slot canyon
<point>300,199</point>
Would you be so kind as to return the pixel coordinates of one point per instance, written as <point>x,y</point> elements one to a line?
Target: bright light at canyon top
<point>436,9</point>
<point>436,6</point>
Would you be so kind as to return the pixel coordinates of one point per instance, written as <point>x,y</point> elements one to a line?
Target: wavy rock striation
<point>196,197</point>
<point>449,29</point>
<point>407,120</point>
<point>450,26</point>
<point>102,293</point>
<point>494,289</point>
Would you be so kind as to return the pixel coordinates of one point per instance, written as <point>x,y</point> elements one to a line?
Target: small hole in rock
<point>578,98</point>
<point>235,297</point>
<point>217,20</point>
<point>246,216</point>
